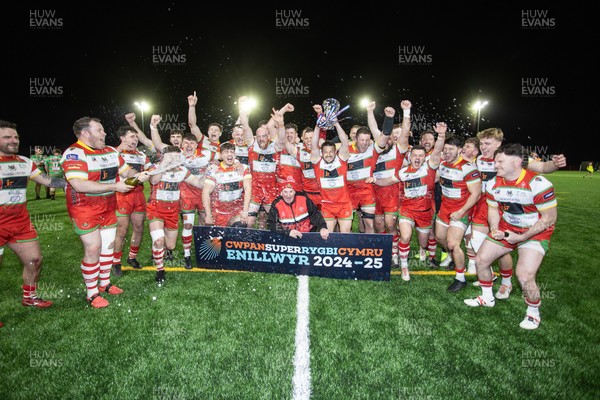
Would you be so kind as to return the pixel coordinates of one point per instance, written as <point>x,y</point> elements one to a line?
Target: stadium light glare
<point>477,107</point>
<point>143,106</point>
<point>250,104</point>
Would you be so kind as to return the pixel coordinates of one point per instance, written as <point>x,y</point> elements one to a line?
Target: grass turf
<point>231,335</point>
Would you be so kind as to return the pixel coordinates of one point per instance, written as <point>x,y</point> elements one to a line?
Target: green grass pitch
<point>216,335</point>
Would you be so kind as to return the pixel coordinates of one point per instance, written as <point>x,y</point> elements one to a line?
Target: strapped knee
<point>108,239</point>
<point>157,234</point>
<point>367,215</point>
<point>477,239</point>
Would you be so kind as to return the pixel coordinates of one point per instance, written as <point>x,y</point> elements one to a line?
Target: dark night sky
<point>102,58</point>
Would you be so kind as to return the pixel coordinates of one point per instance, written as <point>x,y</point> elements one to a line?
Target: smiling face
<point>417,158</point>
<point>427,141</point>
<point>262,137</point>
<point>291,134</point>
<point>176,139</point>
<point>488,146</point>
<point>307,138</point>
<point>363,140</point>
<point>94,135</point>
<point>228,156</point>
<point>288,195</point>
<point>507,166</point>
<point>214,133</point>
<point>352,133</point>
<point>469,151</point>
<point>9,141</point>
<point>328,153</point>
<point>395,136</point>
<point>189,147</point>
<point>130,140</point>
<point>451,153</point>
<point>237,134</point>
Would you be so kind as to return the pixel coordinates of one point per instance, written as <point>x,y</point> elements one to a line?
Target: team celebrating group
<point>489,203</point>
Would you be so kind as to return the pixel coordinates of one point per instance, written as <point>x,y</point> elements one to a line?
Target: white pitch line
<point>301,380</point>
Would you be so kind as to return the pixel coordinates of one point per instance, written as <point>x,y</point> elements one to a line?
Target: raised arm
<point>281,136</point>
<point>276,127</point>
<point>143,139</point>
<point>436,154</point>
<point>388,127</point>
<point>192,118</point>
<point>156,140</point>
<point>344,151</point>
<point>315,151</point>
<point>371,121</point>
<point>322,132</point>
<point>403,141</point>
<point>243,118</point>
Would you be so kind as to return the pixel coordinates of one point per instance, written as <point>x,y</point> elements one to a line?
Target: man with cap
<point>292,213</point>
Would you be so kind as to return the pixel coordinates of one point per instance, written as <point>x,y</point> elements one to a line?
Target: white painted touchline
<point>301,381</point>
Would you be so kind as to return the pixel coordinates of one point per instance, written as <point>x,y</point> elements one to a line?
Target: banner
<point>342,255</point>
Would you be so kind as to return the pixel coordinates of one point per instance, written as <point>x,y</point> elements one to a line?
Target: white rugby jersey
<point>168,187</point>
<point>521,201</point>
<point>263,160</point>
<point>15,172</point>
<point>454,180</point>
<point>487,170</point>
<point>135,159</point>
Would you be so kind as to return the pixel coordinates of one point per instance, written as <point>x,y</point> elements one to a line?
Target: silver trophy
<point>331,110</point>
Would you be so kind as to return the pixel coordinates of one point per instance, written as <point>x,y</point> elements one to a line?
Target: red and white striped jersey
<point>15,172</point>
<point>98,165</point>
<point>309,180</point>
<point>228,182</point>
<point>168,190</point>
<point>521,201</point>
<point>360,166</point>
<point>332,180</point>
<point>416,187</point>
<point>454,180</point>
